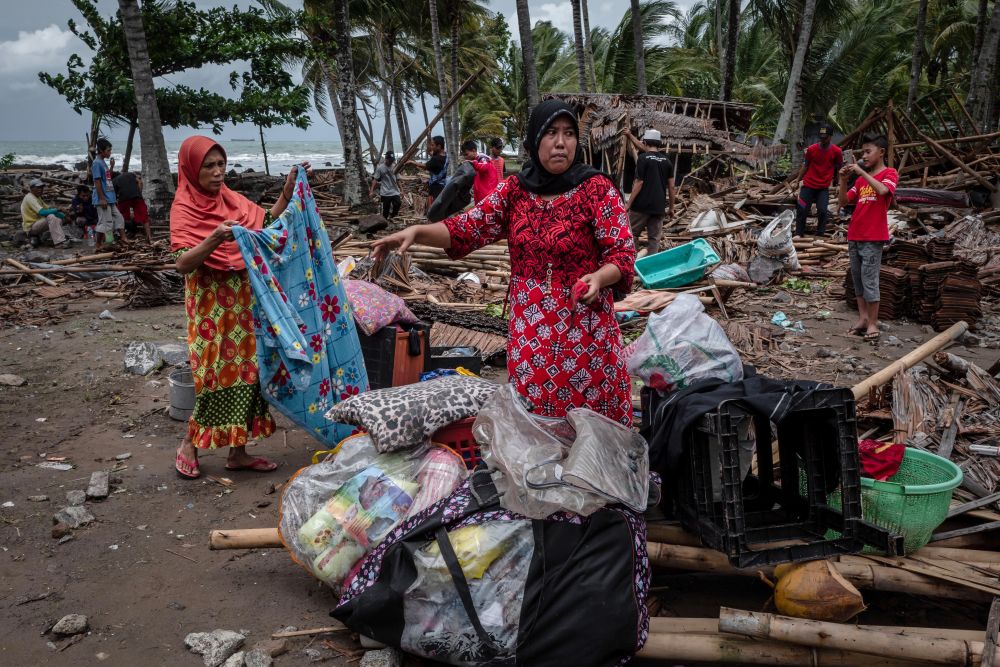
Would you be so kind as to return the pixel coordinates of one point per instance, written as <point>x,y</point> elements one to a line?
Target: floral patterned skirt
<point>229,408</point>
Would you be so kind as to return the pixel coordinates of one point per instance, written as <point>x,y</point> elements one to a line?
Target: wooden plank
<point>991,654</point>
<point>951,430</point>
<point>974,504</point>
<point>972,530</point>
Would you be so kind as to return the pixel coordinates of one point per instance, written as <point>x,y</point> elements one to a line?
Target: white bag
<point>682,345</point>
<point>776,241</point>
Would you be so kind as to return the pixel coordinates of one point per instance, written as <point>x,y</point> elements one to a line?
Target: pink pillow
<point>374,308</point>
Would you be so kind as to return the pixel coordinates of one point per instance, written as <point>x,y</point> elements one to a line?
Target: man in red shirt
<point>868,230</point>
<point>821,163</point>
<point>486,180</point>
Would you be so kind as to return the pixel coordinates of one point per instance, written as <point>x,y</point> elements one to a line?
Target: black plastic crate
<point>435,361</point>
<point>746,514</point>
<point>380,352</point>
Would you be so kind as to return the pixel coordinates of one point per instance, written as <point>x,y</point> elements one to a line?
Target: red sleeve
<point>612,231</point>
<point>481,225</point>
<point>482,167</point>
<point>852,194</point>
<point>889,178</point>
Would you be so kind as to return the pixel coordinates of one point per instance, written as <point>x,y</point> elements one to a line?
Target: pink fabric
<point>375,308</point>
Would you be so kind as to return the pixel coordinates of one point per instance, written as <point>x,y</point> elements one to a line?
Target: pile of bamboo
<point>491,261</point>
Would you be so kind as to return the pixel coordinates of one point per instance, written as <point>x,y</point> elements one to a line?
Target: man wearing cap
<point>37,216</point>
<point>647,202</point>
<point>822,161</point>
<point>388,187</point>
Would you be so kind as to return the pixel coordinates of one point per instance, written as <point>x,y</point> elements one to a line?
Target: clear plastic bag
<point>682,345</point>
<point>533,455</point>
<point>334,512</point>
<point>495,557</point>
<point>776,241</point>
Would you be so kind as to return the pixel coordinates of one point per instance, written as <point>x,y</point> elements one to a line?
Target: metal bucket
<point>181,394</point>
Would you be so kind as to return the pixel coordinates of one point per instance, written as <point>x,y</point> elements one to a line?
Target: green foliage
<point>6,161</point>
<point>181,37</point>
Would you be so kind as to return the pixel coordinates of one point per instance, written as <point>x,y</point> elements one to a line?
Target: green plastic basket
<point>911,503</point>
<point>915,500</point>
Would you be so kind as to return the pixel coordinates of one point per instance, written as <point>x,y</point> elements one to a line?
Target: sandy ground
<point>143,574</point>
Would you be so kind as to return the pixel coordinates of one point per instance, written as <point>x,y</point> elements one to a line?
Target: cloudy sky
<point>34,37</point>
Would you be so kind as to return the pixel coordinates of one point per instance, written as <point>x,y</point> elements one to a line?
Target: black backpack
<point>581,583</point>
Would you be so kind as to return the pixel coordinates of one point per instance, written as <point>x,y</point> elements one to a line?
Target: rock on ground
<point>173,354</point>
<point>273,647</point>
<point>214,647</point>
<point>142,358</point>
<point>369,224</point>
<point>73,516</point>
<point>76,497</point>
<point>386,657</point>
<point>12,380</point>
<point>71,624</point>
<point>100,485</point>
<point>235,660</point>
<point>257,658</point>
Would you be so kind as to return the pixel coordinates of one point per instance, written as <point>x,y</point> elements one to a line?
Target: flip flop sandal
<point>259,464</point>
<point>192,471</point>
<point>873,336</point>
<point>856,331</point>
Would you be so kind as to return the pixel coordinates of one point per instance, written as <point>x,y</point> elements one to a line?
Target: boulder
<point>369,224</point>
<point>142,358</point>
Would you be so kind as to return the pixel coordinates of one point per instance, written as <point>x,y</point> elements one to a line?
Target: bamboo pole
<point>85,258</point>
<point>961,165</point>
<point>684,647</point>
<point>838,636</point>
<point>24,269</point>
<point>708,626</point>
<point>916,356</point>
<point>244,538</point>
<point>82,269</point>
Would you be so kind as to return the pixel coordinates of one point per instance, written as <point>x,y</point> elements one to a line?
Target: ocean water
<point>242,154</point>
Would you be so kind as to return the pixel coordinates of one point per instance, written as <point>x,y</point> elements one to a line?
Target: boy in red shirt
<point>496,156</point>
<point>486,180</point>
<point>868,230</point>
<point>822,161</point>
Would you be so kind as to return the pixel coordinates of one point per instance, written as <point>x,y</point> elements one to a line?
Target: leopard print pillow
<point>407,416</point>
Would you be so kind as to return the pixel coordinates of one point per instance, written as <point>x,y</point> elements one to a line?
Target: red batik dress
<point>559,356</point>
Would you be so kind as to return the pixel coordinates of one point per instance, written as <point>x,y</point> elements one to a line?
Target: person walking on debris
<point>37,217</point>
<point>496,157</point>
<point>868,230</point>
<point>229,409</point>
<point>388,187</point>
<point>128,189</point>
<point>570,248</point>
<point>653,180</point>
<point>486,178</point>
<point>822,161</point>
<point>436,166</point>
<point>110,223</point>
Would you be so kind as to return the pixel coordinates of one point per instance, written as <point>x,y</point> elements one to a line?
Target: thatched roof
<point>728,116</point>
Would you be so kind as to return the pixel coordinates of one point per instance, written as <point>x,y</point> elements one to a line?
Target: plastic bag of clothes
<point>776,241</point>
<point>682,345</point>
<point>335,512</point>
<point>549,465</point>
<point>469,583</point>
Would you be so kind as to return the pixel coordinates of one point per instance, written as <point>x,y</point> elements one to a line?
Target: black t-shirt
<point>654,169</point>
<point>127,187</point>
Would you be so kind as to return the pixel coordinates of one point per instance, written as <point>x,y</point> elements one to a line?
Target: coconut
<point>815,590</point>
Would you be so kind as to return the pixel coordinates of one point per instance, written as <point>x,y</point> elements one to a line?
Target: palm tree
<point>442,86</point>
<point>793,91</point>
<point>980,98</point>
<point>159,184</point>
<point>527,53</point>
<point>917,56</point>
<point>581,60</point>
<point>348,93</point>
<point>729,60</point>
<point>639,44</point>
<point>589,45</point>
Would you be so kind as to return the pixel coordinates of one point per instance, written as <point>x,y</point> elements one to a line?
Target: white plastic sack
<point>776,241</point>
<point>682,345</point>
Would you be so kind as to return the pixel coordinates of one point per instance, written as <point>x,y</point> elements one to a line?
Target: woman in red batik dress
<point>565,224</point>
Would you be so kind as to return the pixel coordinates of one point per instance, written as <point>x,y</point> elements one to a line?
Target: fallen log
<point>244,538</point>
<point>709,626</point>
<point>22,269</point>
<point>911,359</point>
<point>838,636</point>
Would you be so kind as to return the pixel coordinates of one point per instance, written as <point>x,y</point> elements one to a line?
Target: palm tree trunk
<point>385,92</point>
<point>527,54</point>
<point>402,123</point>
<point>916,58</point>
<point>732,41</point>
<point>423,107</point>
<point>640,49</point>
<point>456,136</point>
<point>589,47</point>
<point>581,60</point>
<point>980,99</point>
<point>354,174</point>
<point>159,184</point>
<point>981,15</point>
<point>719,36</point>
<point>795,72</point>
<point>129,143</point>
<point>439,68</point>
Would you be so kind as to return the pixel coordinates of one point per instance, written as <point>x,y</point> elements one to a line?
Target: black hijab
<point>533,177</point>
